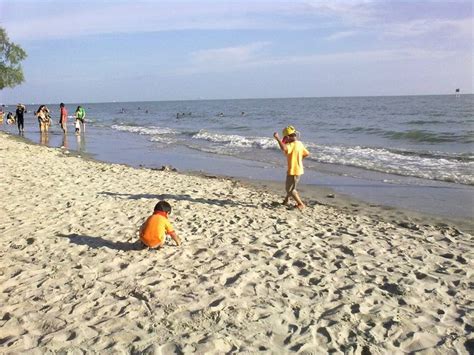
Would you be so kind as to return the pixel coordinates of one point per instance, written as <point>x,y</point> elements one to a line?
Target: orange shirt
<point>295,153</point>
<point>155,229</point>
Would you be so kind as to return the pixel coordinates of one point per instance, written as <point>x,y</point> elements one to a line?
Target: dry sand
<point>251,275</point>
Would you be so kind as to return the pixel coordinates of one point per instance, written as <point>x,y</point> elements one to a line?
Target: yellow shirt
<point>155,229</point>
<point>295,153</point>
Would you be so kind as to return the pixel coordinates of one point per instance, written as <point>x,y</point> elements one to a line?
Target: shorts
<point>291,182</point>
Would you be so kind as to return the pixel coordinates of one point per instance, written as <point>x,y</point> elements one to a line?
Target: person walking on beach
<point>63,117</point>
<point>81,116</point>
<point>295,151</point>
<point>20,112</point>
<point>153,232</point>
<point>43,118</point>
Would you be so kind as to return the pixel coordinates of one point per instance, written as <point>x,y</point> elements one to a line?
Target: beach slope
<point>250,276</point>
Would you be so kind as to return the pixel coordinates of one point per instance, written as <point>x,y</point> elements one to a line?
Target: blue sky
<point>96,51</point>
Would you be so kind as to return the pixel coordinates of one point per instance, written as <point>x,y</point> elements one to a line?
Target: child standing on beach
<point>153,232</point>
<point>295,151</point>
<point>81,117</point>
<point>77,125</point>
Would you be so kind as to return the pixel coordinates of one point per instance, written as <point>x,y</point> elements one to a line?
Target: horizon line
<point>248,98</point>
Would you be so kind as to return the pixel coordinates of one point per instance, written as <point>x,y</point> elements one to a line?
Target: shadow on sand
<point>209,201</point>
<point>99,242</point>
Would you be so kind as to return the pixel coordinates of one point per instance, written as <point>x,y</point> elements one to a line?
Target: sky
<point>118,50</point>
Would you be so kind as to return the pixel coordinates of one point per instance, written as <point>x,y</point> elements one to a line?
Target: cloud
<point>361,56</point>
<point>460,27</point>
<point>225,59</point>
<point>355,12</point>
<point>30,20</point>
<point>36,21</point>
<point>340,35</point>
<point>253,56</point>
<point>238,55</point>
<point>399,18</point>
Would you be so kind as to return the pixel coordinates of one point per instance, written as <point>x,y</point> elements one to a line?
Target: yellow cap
<point>288,130</point>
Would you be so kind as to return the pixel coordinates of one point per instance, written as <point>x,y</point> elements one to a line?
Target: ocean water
<point>429,137</point>
<point>404,140</point>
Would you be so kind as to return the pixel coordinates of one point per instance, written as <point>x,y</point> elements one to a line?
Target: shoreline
<point>151,148</point>
<point>314,194</point>
<point>251,275</point>
<point>319,195</point>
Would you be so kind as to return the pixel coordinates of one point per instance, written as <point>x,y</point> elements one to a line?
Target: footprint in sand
<point>323,331</point>
<point>355,308</point>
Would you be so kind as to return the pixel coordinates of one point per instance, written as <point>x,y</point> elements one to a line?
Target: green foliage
<point>11,73</point>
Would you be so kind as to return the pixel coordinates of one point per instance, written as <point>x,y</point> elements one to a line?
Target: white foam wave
<point>386,161</point>
<point>435,166</point>
<point>163,139</point>
<point>232,140</point>
<point>377,159</point>
<point>152,130</point>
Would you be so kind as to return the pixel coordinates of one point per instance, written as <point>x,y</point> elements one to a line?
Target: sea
<point>414,152</point>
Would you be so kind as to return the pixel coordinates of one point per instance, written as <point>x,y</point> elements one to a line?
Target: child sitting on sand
<point>295,152</point>
<point>153,231</point>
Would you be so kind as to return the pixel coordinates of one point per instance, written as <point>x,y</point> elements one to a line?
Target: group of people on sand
<point>157,226</point>
<point>44,118</point>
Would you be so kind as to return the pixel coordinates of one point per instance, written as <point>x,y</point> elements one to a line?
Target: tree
<point>11,54</point>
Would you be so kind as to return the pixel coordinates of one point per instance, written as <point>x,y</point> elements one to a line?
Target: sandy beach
<point>251,275</point>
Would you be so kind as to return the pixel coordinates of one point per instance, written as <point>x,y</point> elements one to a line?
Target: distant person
<point>77,126</point>
<point>295,151</point>
<point>10,118</point>
<point>20,117</point>
<point>63,117</point>
<point>153,232</point>
<point>44,118</point>
<point>81,116</point>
